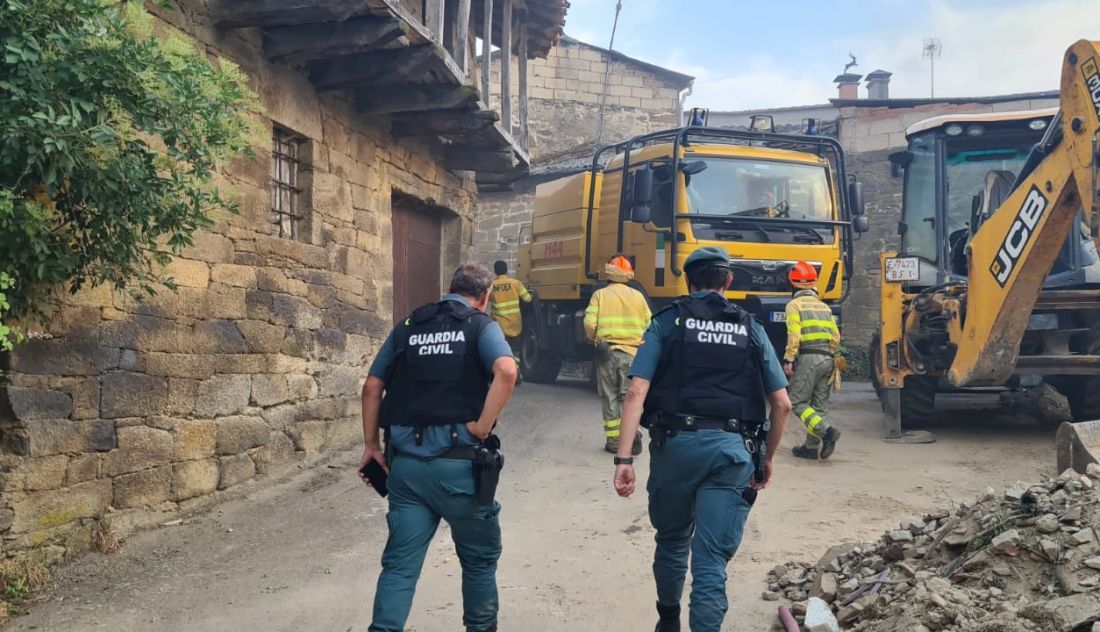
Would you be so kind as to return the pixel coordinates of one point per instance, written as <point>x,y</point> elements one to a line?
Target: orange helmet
<point>622,263</point>
<point>802,274</point>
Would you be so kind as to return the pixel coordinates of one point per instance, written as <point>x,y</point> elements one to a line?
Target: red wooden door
<point>417,236</point>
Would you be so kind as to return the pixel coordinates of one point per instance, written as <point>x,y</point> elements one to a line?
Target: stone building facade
<point>135,412</point>
<point>565,126</point>
<point>870,130</point>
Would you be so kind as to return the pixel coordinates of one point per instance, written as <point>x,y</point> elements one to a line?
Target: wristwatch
<point>624,460</point>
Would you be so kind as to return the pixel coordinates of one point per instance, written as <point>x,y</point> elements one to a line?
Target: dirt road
<point>303,554</point>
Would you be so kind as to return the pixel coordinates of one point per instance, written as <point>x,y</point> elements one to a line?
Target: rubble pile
<point>1027,559</point>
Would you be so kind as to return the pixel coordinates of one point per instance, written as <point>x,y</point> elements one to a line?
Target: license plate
<point>779,317</point>
<point>901,269</point>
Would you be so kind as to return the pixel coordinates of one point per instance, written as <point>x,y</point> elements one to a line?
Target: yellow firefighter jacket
<point>810,325</point>
<point>618,315</point>
<point>504,301</point>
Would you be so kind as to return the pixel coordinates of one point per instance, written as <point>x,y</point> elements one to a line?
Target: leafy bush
<point>111,134</point>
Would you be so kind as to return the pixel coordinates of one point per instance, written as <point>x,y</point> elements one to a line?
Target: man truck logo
<point>1023,227</point>
<point>1092,81</point>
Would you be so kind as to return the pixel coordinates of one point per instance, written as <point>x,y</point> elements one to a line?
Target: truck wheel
<point>918,399</point>
<point>540,366</point>
<point>876,365</point>
<point>1083,391</point>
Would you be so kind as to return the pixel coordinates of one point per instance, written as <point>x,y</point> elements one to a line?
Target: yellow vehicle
<point>769,199</point>
<point>998,281</point>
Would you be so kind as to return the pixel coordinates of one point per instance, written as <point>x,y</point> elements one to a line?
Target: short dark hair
<point>471,279</point>
<point>707,277</point>
<point>500,267</point>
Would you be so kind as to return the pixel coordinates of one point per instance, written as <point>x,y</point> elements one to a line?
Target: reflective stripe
<point>592,309</point>
<point>827,324</point>
<point>816,336</point>
<point>505,303</point>
<point>506,312</point>
<point>806,413</point>
<point>608,424</point>
<point>630,320</point>
<point>618,331</point>
<point>793,318</point>
<point>524,294</point>
<point>612,434</point>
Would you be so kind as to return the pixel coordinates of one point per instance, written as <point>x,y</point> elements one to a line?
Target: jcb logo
<point>1092,81</point>
<point>1019,234</point>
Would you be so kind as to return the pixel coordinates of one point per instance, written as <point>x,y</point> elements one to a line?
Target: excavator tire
<point>1083,391</point>
<point>918,399</point>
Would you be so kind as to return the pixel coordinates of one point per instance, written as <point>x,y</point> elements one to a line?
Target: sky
<point>748,54</point>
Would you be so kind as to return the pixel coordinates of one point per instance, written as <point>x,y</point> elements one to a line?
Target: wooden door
<point>417,236</point>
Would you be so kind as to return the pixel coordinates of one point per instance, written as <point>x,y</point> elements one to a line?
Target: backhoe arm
<point>1013,251</point>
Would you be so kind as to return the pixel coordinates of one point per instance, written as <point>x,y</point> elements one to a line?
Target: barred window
<point>286,207</point>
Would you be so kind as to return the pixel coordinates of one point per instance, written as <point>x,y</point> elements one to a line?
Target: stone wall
<point>139,411</point>
<point>564,112</point>
<point>869,136</point>
<point>564,97</point>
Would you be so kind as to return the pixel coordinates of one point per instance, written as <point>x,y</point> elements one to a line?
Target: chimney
<point>878,85</point>
<point>848,85</point>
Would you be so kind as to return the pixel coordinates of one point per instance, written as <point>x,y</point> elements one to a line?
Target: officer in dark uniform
<point>700,382</point>
<point>437,386</point>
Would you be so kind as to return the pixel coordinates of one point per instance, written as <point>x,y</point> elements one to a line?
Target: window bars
<point>285,162</point>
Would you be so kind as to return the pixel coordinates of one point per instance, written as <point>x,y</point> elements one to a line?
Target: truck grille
<point>754,275</point>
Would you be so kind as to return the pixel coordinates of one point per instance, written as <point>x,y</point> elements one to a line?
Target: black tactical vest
<point>437,377</point>
<point>710,367</point>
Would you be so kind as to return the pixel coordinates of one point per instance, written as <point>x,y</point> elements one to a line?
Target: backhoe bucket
<point>1078,445</point>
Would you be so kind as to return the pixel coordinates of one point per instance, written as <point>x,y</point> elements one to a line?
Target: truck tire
<point>1083,391</point>
<point>918,399</point>
<point>875,363</point>
<point>540,366</point>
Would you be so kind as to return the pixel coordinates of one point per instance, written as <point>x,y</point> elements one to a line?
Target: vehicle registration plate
<point>779,317</point>
<point>901,269</point>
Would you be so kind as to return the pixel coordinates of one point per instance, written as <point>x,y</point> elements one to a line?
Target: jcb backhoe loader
<point>976,298</point>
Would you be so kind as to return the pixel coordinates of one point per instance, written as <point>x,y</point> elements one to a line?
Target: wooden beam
<point>523,129</point>
<point>480,159</point>
<point>504,177</point>
<point>433,18</point>
<point>353,71</point>
<point>486,51</point>
<point>413,98</point>
<point>462,34</point>
<point>443,123</point>
<point>299,44</point>
<point>247,13</point>
<point>506,68</point>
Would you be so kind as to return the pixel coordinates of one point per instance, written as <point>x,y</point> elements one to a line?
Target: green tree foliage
<point>111,134</point>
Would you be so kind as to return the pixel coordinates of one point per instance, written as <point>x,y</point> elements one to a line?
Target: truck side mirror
<point>899,160</point>
<point>860,224</point>
<point>641,194</point>
<point>855,199</point>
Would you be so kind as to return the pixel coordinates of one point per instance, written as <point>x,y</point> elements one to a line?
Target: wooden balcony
<point>414,60</point>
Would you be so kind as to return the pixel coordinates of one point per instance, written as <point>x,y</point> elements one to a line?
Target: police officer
<point>437,386</point>
<point>701,379</point>
<point>615,320</point>
<point>813,340</point>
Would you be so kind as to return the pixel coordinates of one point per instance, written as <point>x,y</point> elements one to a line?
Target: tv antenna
<point>932,51</point>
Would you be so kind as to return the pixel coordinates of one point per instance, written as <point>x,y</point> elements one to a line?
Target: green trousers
<point>810,388</point>
<point>422,492</point>
<point>612,381</point>
<point>697,482</point>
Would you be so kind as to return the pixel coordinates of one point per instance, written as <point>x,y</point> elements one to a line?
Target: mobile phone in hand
<point>376,476</point>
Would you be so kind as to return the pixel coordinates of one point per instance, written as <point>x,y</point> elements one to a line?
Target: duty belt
<point>691,423</point>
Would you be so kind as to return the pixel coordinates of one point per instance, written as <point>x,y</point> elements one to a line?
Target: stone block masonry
<point>140,411</point>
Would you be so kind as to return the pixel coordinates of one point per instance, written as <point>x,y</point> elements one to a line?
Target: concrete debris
<point>1024,560</point>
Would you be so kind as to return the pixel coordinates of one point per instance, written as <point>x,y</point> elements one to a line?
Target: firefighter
<point>615,320</point>
<point>430,389</point>
<point>507,293</point>
<point>702,379</point>
<point>813,340</point>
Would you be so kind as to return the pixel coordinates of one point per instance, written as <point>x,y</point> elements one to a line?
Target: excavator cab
<point>958,172</point>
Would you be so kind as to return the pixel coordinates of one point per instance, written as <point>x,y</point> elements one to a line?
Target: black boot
<point>804,452</point>
<point>669,619</point>
<point>828,442</point>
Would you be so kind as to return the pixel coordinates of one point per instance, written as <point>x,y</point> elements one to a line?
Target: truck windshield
<point>760,188</point>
